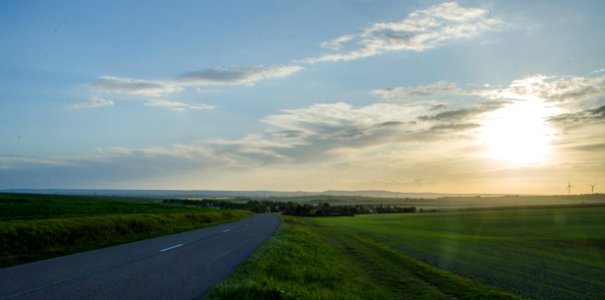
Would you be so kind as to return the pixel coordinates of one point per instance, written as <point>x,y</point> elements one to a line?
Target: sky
<point>409,96</point>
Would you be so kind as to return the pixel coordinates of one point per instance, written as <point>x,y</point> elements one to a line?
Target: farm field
<point>546,253</point>
<point>454,203</point>
<point>34,227</point>
<point>552,253</point>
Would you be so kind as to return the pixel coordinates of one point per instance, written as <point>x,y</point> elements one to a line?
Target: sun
<point>519,133</point>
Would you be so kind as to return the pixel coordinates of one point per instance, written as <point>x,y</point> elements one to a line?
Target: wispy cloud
<point>573,101</point>
<point>570,89</point>
<point>211,76</point>
<point>237,75</point>
<point>466,113</point>
<point>419,31</point>
<point>338,119</point>
<point>176,105</point>
<point>150,91</point>
<point>119,85</point>
<point>432,94</point>
<point>314,133</point>
<point>598,147</point>
<point>583,117</point>
<point>453,127</point>
<point>94,102</point>
<point>12,162</point>
<point>438,107</point>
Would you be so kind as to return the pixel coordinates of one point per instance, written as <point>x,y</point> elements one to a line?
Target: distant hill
<point>233,194</point>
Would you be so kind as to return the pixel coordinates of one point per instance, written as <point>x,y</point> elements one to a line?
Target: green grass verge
<point>309,260</point>
<point>34,227</point>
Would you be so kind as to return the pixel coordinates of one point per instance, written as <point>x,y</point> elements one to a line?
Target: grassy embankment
<point>34,227</point>
<point>552,253</point>
<point>306,259</point>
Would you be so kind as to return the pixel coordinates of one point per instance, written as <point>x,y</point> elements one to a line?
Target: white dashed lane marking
<point>170,248</point>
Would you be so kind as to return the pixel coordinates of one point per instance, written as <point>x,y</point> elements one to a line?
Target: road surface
<point>179,266</point>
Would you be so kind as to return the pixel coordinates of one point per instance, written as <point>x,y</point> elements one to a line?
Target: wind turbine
<point>592,187</point>
<point>569,186</point>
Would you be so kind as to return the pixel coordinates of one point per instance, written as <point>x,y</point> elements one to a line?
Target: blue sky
<point>399,95</point>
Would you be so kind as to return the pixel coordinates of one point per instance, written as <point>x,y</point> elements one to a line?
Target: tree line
<point>294,208</point>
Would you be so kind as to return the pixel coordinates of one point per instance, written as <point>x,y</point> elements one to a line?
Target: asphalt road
<point>179,266</point>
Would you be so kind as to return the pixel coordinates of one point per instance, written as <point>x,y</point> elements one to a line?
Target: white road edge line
<point>170,248</point>
<point>226,229</point>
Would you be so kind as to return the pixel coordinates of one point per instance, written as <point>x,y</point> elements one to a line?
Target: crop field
<point>546,253</point>
<point>454,203</point>
<point>553,253</point>
<point>35,227</point>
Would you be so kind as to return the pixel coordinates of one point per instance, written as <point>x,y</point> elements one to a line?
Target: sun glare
<point>518,133</point>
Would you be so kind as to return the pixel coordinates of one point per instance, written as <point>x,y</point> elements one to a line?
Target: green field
<point>453,203</point>
<point>35,227</point>
<point>548,253</point>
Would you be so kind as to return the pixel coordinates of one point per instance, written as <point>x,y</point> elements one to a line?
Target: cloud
<point>584,117</point>
<point>252,149</point>
<point>237,75</point>
<point>599,112</point>
<point>149,91</point>
<point>465,113</point>
<point>324,131</point>
<point>570,101</point>
<point>437,139</point>
<point>9,162</point>
<point>388,124</point>
<point>176,105</point>
<point>438,107</point>
<point>562,89</point>
<point>600,147</point>
<point>130,86</point>
<point>598,71</point>
<point>339,119</point>
<point>419,31</point>
<point>566,101</point>
<point>321,131</point>
<point>285,134</point>
<point>455,127</point>
<point>427,94</point>
<point>311,134</point>
<point>94,102</point>
<point>212,76</point>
